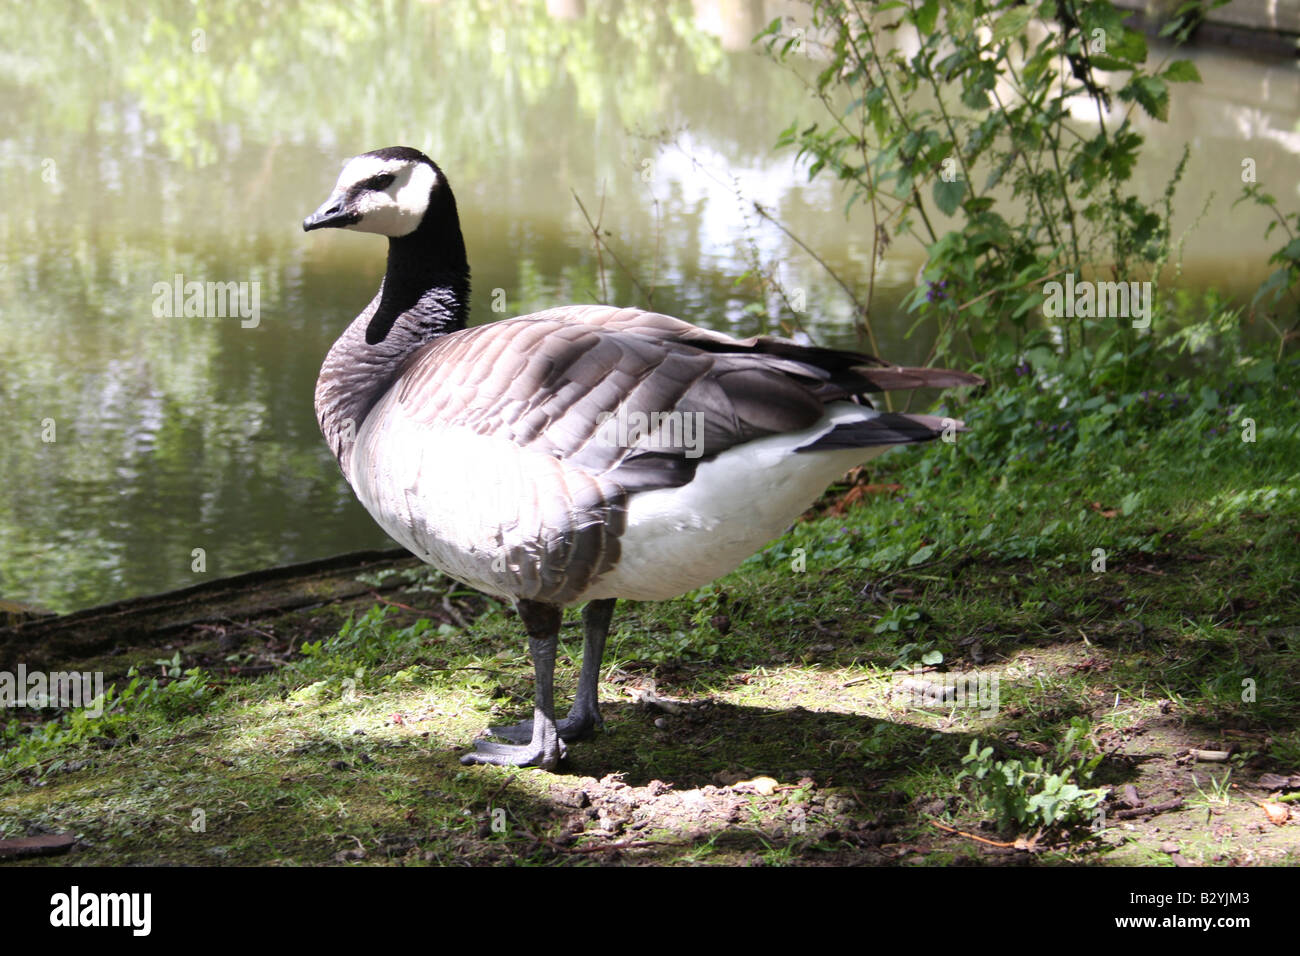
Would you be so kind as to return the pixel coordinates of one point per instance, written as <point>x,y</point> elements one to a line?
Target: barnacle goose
<point>532,458</point>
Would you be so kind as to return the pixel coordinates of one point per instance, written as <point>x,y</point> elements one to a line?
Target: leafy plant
<point>372,638</point>
<point>1283,282</point>
<point>898,619</point>
<point>1043,792</point>
<point>948,108</point>
<point>171,666</point>
<point>918,653</point>
<point>124,707</point>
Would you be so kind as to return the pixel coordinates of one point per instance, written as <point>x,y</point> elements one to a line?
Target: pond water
<point>191,142</point>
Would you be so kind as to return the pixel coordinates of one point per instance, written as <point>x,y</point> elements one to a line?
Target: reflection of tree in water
<point>495,74</point>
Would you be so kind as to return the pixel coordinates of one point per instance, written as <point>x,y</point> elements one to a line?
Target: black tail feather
<point>888,428</point>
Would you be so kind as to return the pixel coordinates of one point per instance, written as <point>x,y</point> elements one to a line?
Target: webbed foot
<point>530,754</point>
<point>573,727</point>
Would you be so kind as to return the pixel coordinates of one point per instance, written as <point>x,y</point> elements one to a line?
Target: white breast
<point>457,500</point>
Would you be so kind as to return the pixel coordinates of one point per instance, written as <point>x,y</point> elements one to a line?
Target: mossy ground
<point>795,668</point>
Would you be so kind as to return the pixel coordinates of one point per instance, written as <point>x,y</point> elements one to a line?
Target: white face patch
<point>395,210</point>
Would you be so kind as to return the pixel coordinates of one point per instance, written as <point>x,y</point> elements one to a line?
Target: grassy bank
<point>1123,565</point>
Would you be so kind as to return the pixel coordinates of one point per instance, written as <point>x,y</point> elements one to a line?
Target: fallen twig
<point>1135,812</point>
<point>1019,843</point>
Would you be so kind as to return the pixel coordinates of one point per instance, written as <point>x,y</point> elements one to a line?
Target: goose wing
<point>578,384</point>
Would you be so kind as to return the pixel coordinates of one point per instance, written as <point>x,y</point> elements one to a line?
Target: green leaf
<point>1099,61</point>
<point>922,554</point>
<point>771,29</point>
<point>976,98</point>
<point>1031,301</point>
<point>1151,93</point>
<point>1264,371</point>
<point>1290,251</point>
<point>1132,46</point>
<point>1012,23</point>
<point>1182,71</point>
<point>948,195</point>
<point>926,16</point>
<point>1274,285</point>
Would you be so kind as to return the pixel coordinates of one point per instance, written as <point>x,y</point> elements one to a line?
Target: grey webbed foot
<point>572,728</point>
<point>530,754</point>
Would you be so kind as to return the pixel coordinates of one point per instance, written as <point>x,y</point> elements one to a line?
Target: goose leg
<point>544,748</point>
<point>584,718</point>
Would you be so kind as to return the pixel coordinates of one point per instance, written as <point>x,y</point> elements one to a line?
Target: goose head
<point>401,193</point>
<point>386,191</point>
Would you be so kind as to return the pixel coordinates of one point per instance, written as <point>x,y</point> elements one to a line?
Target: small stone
<point>1169,846</point>
<point>578,799</point>
<point>763,786</point>
<point>838,803</point>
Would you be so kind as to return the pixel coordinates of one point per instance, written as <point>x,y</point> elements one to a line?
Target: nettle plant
<point>1278,296</point>
<point>1041,792</point>
<point>972,109</point>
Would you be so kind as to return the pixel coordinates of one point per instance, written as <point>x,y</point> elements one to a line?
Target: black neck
<point>426,286</point>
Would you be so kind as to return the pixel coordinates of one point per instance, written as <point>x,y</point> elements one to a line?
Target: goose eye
<point>382,181</point>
